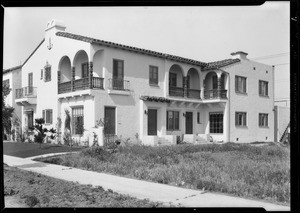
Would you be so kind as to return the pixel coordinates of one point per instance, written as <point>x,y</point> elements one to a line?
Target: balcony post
<point>185,92</point>
<point>202,92</point>
<point>91,75</point>
<point>58,77</point>
<point>219,83</point>
<point>73,79</point>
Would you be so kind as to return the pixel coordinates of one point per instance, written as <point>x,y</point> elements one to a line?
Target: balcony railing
<point>119,84</point>
<point>80,84</point>
<point>193,93</point>
<point>213,94</point>
<point>176,91</point>
<point>26,92</point>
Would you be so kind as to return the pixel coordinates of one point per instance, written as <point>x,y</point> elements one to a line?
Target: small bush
<point>8,191</point>
<point>31,200</point>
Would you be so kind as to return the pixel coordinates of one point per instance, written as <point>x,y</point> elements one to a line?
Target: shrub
<point>31,200</point>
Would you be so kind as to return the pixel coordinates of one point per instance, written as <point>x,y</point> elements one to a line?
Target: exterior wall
<point>252,102</point>
<point>282,118</point>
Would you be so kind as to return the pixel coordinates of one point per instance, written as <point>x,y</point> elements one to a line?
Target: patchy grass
<point>24,150</point>
<point>37,190</point>
<point>242,170</point>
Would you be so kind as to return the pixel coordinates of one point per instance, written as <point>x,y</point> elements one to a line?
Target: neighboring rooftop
<point>222,63</point>
<point>12,69</point>
<point>130,48</point>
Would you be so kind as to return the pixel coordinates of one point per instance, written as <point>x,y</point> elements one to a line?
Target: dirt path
<point>14,202</point>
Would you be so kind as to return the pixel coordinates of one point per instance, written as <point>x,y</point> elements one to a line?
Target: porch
<point>26,96</point>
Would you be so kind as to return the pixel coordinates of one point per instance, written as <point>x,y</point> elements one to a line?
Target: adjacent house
<point>12,78</point>
<point>146,95</point>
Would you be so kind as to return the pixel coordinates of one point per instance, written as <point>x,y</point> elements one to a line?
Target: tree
<point>7,111</point>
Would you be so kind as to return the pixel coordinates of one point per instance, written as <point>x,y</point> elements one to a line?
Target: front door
<point>189,123</point>
<point>152,122</point>
<point>110,121</point>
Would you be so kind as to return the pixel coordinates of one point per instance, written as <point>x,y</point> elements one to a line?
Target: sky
<point>202,33</point>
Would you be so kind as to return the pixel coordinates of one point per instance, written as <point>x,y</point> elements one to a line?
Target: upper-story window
<point>84,70</point>
<point>263,119</point>
<point>153,75</point>
<point>118,74</point>
<point>6,83</point>
<point>240,118</point>
<point>47,115</point>
<point>263,88</point>
<point>240,84</point>
<point>47,73</point>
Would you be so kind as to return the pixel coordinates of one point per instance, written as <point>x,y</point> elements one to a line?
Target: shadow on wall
<point>124,100</point>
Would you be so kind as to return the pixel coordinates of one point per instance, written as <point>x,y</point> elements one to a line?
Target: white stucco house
<point>143,94</point>
<point>12,78</point>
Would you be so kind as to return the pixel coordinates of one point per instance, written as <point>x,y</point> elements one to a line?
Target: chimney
<point>53,27</point>
<point>240,55</point>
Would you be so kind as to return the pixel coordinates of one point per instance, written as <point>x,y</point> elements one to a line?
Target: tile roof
<point>130,48</point>
<point>11,69</point>
<point>154,98</point>
<point>222,63</point>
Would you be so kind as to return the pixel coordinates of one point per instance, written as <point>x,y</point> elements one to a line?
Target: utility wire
<point>270,56</point>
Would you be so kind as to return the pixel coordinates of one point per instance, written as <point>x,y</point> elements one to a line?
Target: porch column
<point>73,79</point>
<point>184,86</point>
<point>219,86</point>
<point>91,75</point>
<point>227,123</point>
<point>58,80</point>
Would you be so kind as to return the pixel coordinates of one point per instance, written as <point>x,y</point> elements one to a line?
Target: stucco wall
<point>252,102</point>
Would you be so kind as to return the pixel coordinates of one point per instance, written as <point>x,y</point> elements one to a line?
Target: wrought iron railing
<point>215,93</point>
<point>193,93</point>
<point>118,84</point>
<point>176,91</point>
<point>26,92</point>
<point>80,84</point>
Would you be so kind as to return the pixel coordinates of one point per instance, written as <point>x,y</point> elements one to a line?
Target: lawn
<point>24,150</point>
<point>35,190</point>
<point>242,170</point>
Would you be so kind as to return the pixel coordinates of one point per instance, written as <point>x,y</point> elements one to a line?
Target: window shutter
<point>236,119</point>
<point>245,85</point>
<point>236,83</point>
<point>266,88</point>
<point>43,112</point>
<point>50,116</point>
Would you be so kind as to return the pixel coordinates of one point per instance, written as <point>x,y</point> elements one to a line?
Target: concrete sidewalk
<point>140,189</point>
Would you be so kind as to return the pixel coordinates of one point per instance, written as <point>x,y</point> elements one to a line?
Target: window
<point>47,115</point>
<point>47,73</point>
<point>30,83</point>
<point>263,119</point>
<point>241,119</point>
<point>198,118</point>
<point>172,120</point>
<point>84,70</point>
<point>42,73</point>
<point>77,121</point>
<point>6,83</point>
<point>172,79</point>
<point>153,75</point>
<point>263,88</point>
<point>216,122</point>
<point>240,84</point>
<point>118,74</point>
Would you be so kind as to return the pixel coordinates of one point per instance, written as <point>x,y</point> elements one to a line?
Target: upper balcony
<point>80,84</point>
<point>118,87</point>
<point>26,96</point>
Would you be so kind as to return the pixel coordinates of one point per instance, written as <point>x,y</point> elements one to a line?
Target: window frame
<point>243,122</point>
<point>82,70</point>
<point>244,87</point>
<point>262,83</point>
<point>214,126</point>
<point>263,120</point>
<point>153,81</point>
<point>175,121</point>
<point>47,75</point>
<point>174,75</point>
<point>198,118</point>
<point>44,113</point>
<point>79,114</point>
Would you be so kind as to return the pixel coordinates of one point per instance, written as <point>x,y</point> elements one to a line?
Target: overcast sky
<point>201,33</point>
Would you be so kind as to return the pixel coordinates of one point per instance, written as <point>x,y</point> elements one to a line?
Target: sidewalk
<point>138,188</point>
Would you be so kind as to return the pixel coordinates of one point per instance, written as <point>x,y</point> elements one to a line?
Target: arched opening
<point>211,87</point>
<point>65,69</point>
<point>193,84</point>
<point>81,65</point>
<point>176,81</point>
<point>98,64</point>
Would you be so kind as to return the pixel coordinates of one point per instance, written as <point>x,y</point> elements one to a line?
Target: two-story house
<point>144,94</point>
<point>12,78</point>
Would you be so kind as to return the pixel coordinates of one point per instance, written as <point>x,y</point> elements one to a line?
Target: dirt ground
<point>14,202</point>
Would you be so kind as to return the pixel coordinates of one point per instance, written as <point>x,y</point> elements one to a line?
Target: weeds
<point>242,170</point>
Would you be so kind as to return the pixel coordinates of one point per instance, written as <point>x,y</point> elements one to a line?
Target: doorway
<point>189,123</point>
<point>152,121</point>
